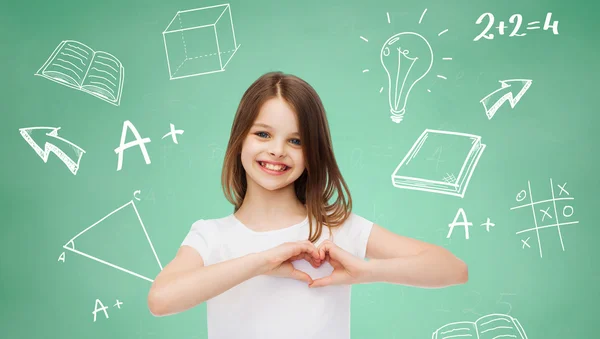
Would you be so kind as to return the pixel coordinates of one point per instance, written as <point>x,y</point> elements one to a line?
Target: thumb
<point>325,281</point>
<point>302,276</point>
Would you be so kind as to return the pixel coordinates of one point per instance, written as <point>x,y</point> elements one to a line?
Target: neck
<point>271,203</point>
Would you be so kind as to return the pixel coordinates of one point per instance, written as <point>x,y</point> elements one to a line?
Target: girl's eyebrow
<point>260,124</point>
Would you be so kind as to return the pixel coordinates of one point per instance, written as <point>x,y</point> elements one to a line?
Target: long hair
<point>321,178</point>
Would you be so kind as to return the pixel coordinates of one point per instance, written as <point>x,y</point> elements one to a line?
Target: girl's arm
<point>185,282</point>
<point>431,268</point>
<point>401,260</point>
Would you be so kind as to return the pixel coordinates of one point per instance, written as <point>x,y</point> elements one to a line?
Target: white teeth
<point>273,167</point>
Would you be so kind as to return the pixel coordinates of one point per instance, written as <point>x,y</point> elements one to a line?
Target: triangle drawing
<point>118,241</point>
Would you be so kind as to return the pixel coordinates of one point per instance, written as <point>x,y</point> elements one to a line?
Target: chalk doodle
<point>466,223</point>
<point>173,133</point>
<point>200,41</point>
<point>102,232</point>
<point>450,175</point>
<point>490,326</point>
<point>488,224</point>
<point>517,20</point>
<point>546,212</point>
<point>406,58</point>
<point>75,65</point>
<point>103,308</point>
<point>48,137</point>
<point>140,142</point>
<point>511,90</point>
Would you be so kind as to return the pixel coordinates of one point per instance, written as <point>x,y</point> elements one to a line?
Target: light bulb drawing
<point>404,68</point>
<point>406,58</point>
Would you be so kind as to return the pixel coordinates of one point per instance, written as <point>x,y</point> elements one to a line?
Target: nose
<point>277,149</point>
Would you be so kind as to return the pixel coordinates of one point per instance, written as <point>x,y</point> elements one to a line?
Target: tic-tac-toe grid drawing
<point>550,213</point>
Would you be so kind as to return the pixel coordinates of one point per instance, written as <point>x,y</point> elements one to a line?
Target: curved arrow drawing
<point>55,145</point>
<point>506,93</point>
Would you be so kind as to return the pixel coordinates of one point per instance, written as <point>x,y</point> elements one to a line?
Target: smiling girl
<point>283,263</point>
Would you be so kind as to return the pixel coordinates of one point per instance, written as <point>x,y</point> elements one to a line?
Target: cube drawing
<point>200,41</point>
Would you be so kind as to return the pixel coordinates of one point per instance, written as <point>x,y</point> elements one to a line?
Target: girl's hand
<point>347,268</point>
<point>278,260</point>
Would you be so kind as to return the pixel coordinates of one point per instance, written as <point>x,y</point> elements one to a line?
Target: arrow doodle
<point>506,93</point>
<point>73,165</point>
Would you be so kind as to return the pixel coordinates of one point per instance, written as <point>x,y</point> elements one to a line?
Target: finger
<point>301,247</point>
<point>305,245</point>
<point>324,248</point>
<point>326,244</point>
<point>308,243</point>
<point>312,250</point>
<point>302,276</point>
<point>325,281</point>
<point>332,251</point>
<point>306,257</point>
<point>315,263</point>
<point>303,250</point>
<point>311,258</point>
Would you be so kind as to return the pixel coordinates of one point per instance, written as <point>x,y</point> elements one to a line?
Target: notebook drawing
<point>439,162</point>
<point>77,66</point>
<point>490,326</point>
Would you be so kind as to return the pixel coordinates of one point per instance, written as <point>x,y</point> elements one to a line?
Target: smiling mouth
<point>278,168</point>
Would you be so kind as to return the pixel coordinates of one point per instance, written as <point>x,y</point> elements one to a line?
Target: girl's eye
<point>265,134</point>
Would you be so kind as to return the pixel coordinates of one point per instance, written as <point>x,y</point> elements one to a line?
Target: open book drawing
<point>439,162</point>
<point>487,327</point>
<point>75,65</point>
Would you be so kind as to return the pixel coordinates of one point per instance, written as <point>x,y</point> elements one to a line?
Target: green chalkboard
<point>491,120</point>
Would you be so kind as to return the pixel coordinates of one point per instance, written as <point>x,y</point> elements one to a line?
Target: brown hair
<point>321,179</point>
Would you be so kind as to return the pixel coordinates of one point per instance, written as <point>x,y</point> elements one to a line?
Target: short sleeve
<point>199,237</point>
<point>358,234</point>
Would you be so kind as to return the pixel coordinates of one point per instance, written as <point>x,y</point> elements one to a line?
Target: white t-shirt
<point>267,307</point>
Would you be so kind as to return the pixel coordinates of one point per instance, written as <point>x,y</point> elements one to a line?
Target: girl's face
<point>272,151</point>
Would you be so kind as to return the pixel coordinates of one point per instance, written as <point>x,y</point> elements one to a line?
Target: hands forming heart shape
<point>347,268</point>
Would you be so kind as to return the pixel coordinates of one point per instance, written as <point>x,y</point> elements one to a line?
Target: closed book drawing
<point>439,162</point>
